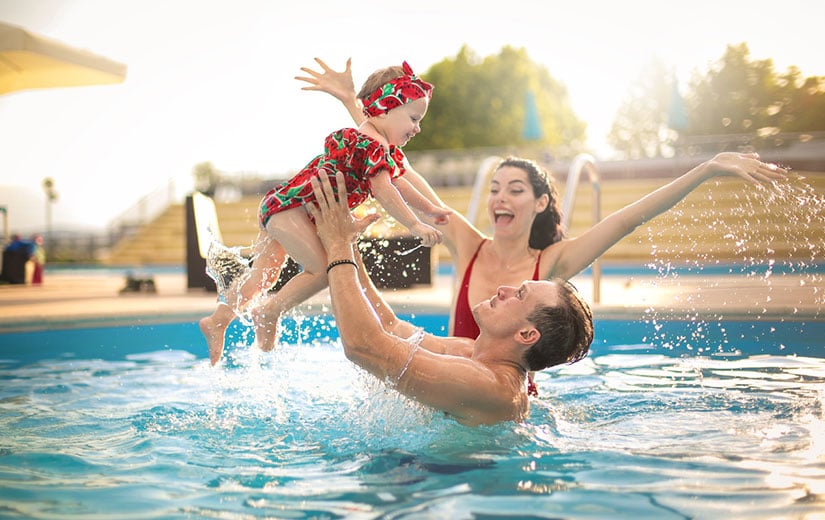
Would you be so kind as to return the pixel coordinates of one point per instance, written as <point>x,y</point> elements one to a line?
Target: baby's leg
<point>296,291</point>
<point>268,257</point>
<point>213,328</point>
<point>296,233</point>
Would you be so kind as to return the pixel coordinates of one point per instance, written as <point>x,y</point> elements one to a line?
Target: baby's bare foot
<point>214,333</point>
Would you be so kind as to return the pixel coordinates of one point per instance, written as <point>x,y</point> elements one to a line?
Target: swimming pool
<point>720,419</point>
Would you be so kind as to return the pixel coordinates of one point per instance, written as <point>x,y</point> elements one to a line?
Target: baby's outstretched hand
<point>440,215</point>
<point>338,84</point>
<point>429,235</point>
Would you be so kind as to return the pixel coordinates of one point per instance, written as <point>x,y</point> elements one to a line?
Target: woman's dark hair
<point>566,330</point>
<point>547,228</point>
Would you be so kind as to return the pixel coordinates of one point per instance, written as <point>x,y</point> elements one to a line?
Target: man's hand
<point>334,222</point>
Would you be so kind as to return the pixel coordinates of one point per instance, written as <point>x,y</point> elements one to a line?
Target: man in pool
<point>531,327</point>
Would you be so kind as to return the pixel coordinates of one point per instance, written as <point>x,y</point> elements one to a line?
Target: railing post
<point>478,186</point>
<point>582,162</point>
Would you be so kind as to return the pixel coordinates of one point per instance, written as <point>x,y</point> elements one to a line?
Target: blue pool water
<point>663,420</point>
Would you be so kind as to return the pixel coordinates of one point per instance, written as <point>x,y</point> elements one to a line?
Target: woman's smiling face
<point>511,204</point>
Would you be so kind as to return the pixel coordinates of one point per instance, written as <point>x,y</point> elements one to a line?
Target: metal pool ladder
<point>582,162</point>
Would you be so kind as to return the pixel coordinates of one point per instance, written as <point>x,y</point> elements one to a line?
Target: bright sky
<point>213,81</point>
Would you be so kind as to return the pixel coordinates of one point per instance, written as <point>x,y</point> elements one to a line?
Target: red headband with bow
<point>398,91</point>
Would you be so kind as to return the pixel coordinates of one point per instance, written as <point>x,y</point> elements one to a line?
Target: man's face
<point>506,311</point>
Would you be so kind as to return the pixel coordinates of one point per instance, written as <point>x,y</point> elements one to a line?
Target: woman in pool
<point>528,242</point>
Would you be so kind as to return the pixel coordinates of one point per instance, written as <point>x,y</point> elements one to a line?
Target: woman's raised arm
<point>576,254</point>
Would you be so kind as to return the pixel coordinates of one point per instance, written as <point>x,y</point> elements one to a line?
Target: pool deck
<point>69,299</point>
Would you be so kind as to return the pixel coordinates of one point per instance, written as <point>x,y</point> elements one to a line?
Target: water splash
<point>301,432</point>
<point>226,266</point>
<point>764,244</point>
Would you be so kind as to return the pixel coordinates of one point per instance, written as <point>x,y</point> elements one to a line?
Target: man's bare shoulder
<point>470,390</point>
<point>450,345</point>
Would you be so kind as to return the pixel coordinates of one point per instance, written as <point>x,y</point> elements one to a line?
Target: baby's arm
<point>388,195</point>
<point>337,84</point>
<point>419,201</point>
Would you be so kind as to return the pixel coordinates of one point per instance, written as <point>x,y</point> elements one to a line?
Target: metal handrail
<point>147,208</point>
<point>478,186</point>
<point>584,162</point>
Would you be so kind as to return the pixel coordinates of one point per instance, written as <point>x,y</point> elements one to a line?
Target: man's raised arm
<point>366,342</point>
<point>468,390</point>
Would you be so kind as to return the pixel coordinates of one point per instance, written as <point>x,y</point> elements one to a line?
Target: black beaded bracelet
<point>340,262</point>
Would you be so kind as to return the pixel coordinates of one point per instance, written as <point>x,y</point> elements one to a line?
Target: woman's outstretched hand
<point>745,165</point>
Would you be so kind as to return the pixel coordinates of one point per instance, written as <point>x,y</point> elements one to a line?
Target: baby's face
<point>402,123</point>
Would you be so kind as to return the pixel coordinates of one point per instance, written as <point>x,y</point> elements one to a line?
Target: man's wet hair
<point>566,330</point>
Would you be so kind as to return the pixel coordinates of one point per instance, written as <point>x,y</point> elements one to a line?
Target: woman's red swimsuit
<point>464,323</point>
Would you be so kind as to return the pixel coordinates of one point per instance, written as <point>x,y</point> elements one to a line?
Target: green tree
<point>481,102</point>
<point>802,106</point>
<point>737,96</point>
<point>734,96</point>
<point>206,177</point>
<point>744,96</point>
<point>640,128</point>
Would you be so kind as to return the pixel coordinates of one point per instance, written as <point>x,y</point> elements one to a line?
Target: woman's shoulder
<point>466,237</point>
<point>550,264</point>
